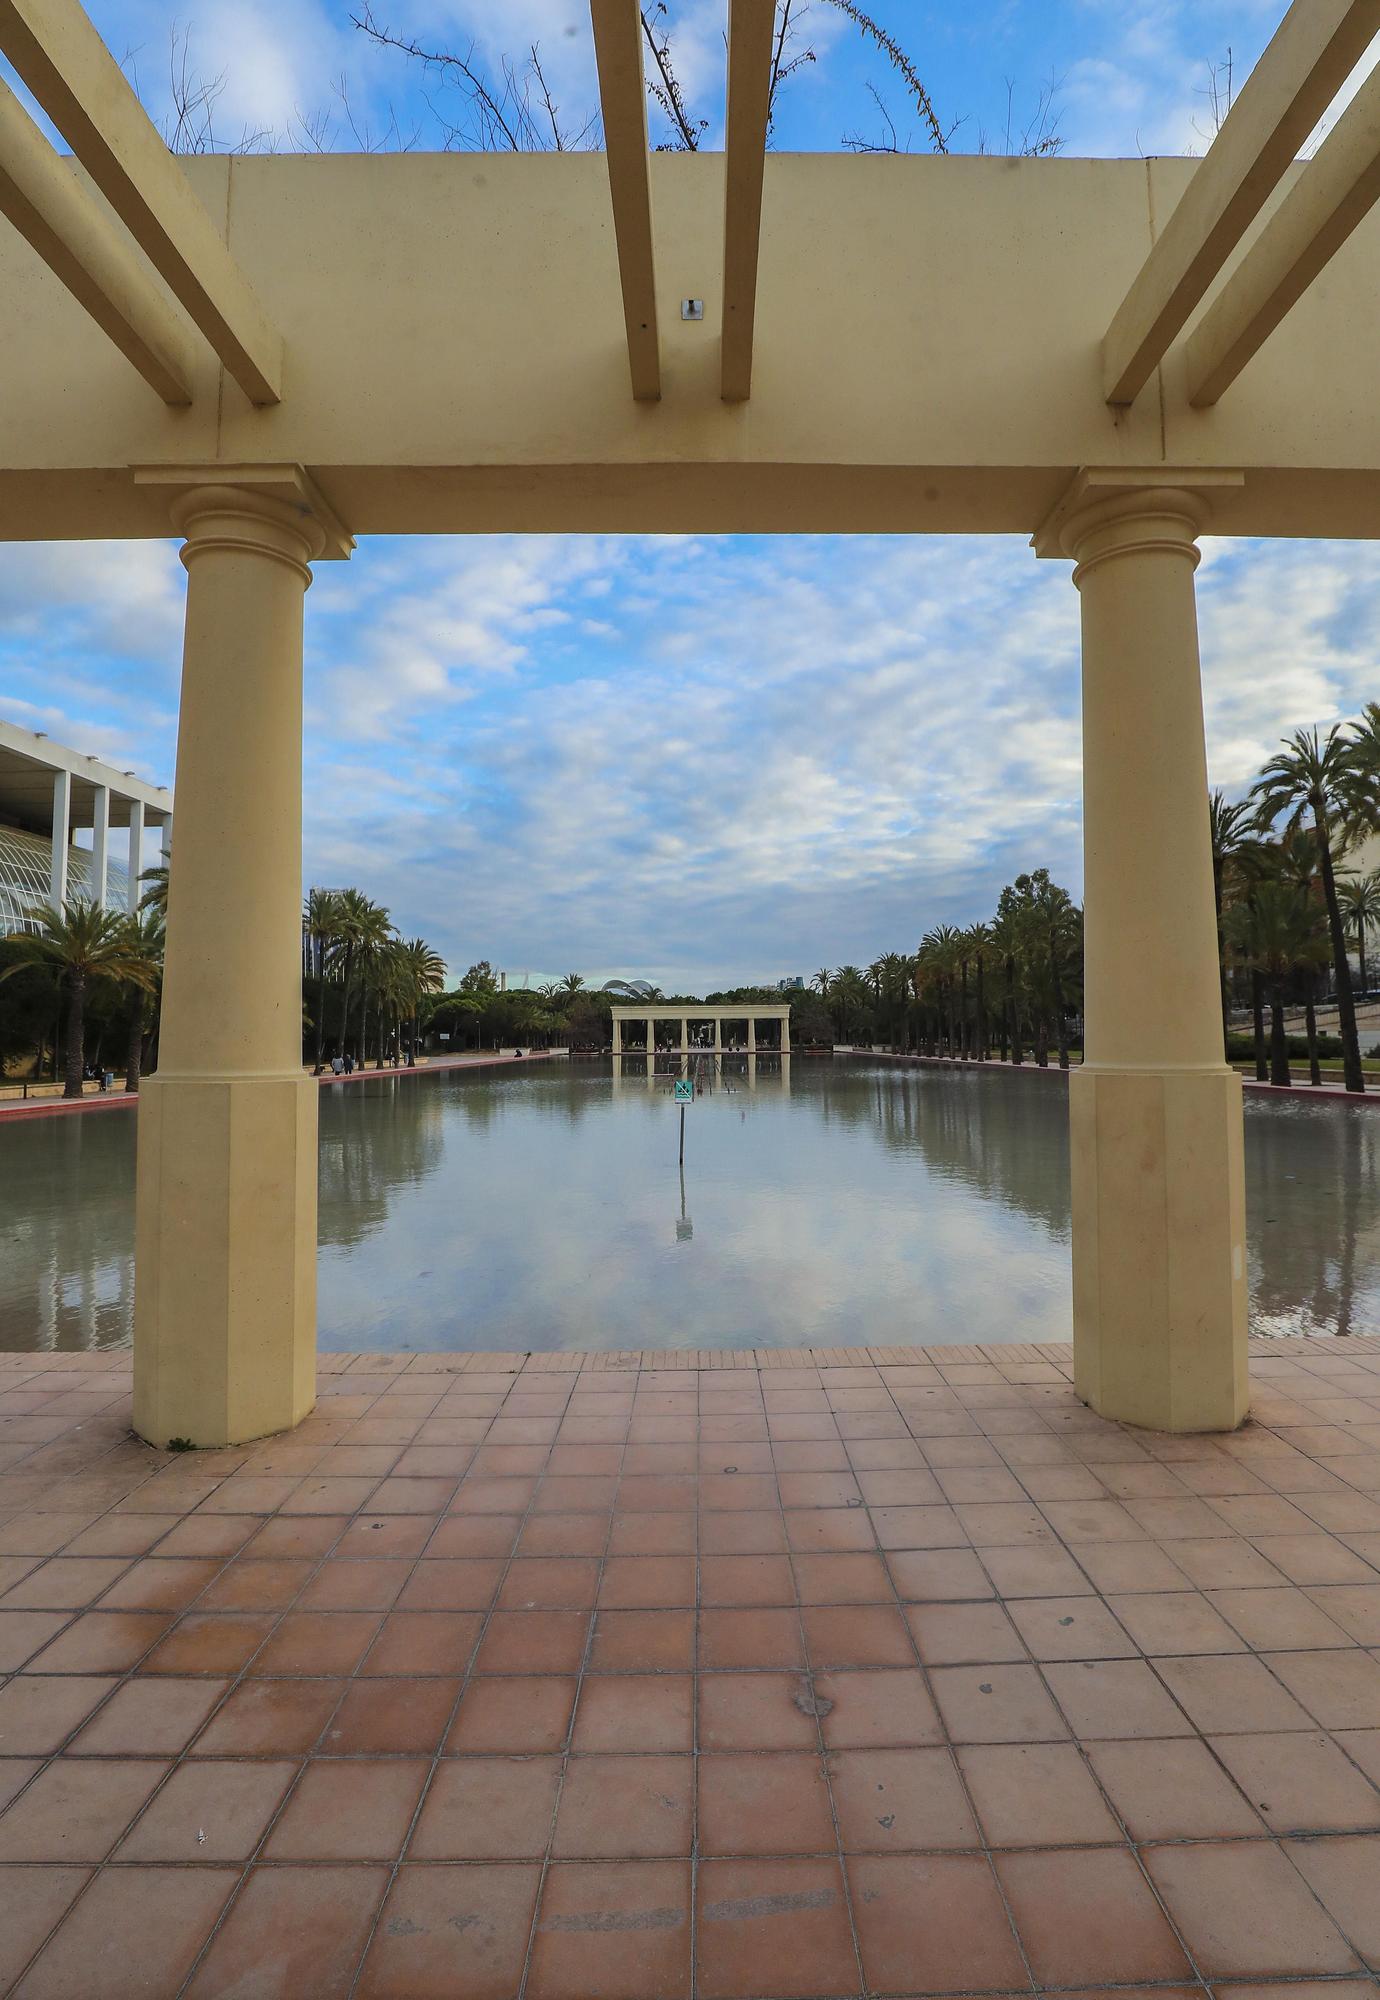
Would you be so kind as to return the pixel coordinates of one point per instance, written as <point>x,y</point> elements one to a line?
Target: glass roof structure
<point>26,861</point>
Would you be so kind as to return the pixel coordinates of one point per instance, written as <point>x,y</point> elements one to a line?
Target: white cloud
<point>763,753</point>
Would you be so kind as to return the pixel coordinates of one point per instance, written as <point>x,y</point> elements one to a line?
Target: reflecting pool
<point>845,1202</point>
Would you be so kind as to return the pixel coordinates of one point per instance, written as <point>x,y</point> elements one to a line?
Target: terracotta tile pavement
<point>745,1675</point>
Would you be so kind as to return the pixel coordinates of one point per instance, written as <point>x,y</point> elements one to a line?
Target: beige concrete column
<point>752,1035</point>
<point>617,1036</point>
<point>785,1034</point>
<point>225,1298</point>
<point>718,1034</point>
<point>100,845</point>
<point>62,838</point>
<point>1159,1234</point>
<point>136,856</point>
<point>684,1034</point>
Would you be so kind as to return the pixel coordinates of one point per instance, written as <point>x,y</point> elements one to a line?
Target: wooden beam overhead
<point>1317,45</point>
<point>623,101</point>
<point>1332,195</point>
<point>750,26</point>
<point>73,75</point>
<point>88,251</point>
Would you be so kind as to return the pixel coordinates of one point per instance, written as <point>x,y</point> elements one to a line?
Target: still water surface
<point>848,1203</point>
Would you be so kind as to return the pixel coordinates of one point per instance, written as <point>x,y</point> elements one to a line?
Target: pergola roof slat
<point>72,74</point>
<point>51,209</point>
<point>750,25</point>
<point>623,101</point>
<point>1334,193</point>
<point>1310,56</point>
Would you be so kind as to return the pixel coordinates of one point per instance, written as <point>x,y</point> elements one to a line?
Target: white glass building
<point>48,793</point>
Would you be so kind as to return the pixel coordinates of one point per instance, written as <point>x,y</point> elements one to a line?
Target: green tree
<point>83,944</point>
<point>1008,941</point>
<point>1280,932</point>
<point>1324,779</point>
<point>1360,899</point>
<point>144,937</point>
<point>363,928</point>
<point>155,896</point>
<point>1231,825</point>
<point>323,923</point>
<point>423,973</point>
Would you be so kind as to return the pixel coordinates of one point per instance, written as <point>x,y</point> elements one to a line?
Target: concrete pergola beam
<point>1317,45</point>
<point>750,25</point>
<point>623,102</point>
<point>72,74</point>
<point>1336,190</point>
<point>61,221</point>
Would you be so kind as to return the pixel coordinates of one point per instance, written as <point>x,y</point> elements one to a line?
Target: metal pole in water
<point>682,1135</point>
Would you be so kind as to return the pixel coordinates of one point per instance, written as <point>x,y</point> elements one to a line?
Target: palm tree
<point>1295,860</point>
<point>363,928</point>
<point>821,980</point>
<point>849,993</point>
<point>978,939</point>
<point>1324,780</point>
<point>570,985</point>
<point>1279,933</point>
<point>155,896</point>
<point>939,952</point>
<point>1231,828</point>
<point>144,936</point>
<point>1360,900</point>
<point>321,921</point>
<point>424,974</point>
<point>1007,938</point>
<point>1058,923</point>
<point>81,943</point>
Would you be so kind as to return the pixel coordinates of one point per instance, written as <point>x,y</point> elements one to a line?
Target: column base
<point>1159,1246</point>
<point>225,1286</point>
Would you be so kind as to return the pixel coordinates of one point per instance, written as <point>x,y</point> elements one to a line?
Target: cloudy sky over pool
<point>698,760</point>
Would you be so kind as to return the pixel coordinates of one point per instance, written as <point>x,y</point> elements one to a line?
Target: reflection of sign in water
<point>684,1092</point>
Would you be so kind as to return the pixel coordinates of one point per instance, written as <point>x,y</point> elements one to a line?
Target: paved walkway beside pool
<point>885,1671</point>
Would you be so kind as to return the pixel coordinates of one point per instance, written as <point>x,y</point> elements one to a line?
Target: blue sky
<point>698,760</point>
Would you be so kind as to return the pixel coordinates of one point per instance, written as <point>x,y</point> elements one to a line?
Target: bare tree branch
<point>668,93</point>
<point>874,32</point>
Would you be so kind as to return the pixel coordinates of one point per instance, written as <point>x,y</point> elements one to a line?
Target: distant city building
<point>793,985</point>
<point>46,792</point>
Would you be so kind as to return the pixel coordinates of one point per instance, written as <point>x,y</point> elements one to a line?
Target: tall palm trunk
<point>1221,949</point>
<point>981,1001</point>
<point>1310,1022</point>
<point>1061,1012</point>
<point>134,1054</point>
<point>1042,1038</point>
<point>1258,1025</point>
<point>346,997</point>
<point>1017,1050</point>
<point>1361,956</point>
<point>319,1059</point>
<point>1346,1007</point>
<point>1279,1046</point>
<point>76,1035</point>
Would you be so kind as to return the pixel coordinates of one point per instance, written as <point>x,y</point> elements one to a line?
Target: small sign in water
<point>684,1092</point>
